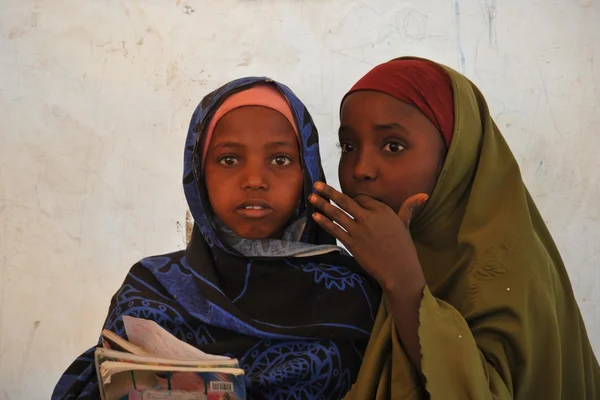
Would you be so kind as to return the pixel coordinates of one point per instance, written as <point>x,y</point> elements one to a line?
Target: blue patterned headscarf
<point>301,236</point>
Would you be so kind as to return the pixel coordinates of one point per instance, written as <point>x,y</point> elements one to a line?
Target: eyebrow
<point>392,126</point>
<point>226,145</point>
<point>280,144</point>
<point>343,128</point>
<point>237,145</point>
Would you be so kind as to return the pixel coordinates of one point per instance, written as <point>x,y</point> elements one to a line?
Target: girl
<point>477,304</point>
<point>259,280</point>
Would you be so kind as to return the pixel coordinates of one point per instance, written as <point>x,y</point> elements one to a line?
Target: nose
<point>364,167</point>
<point>254,176</point>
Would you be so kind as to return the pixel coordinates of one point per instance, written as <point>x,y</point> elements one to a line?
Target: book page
<point>104,354</point>
<point>111,340</point>
<point>109,368</point>
<point>155,340</point>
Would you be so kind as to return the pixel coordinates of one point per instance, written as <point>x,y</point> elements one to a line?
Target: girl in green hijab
<point>477,304</point>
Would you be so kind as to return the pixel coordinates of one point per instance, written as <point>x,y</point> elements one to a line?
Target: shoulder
<point>156,262</point>
<point>142,294</point>
<point>142,275</point>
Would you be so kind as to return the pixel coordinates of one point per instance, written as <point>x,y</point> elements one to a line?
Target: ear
<point>410,207</point>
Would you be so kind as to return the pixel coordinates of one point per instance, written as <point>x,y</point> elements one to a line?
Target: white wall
<point>95,98</point>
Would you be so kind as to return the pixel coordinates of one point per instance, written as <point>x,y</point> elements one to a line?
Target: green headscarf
<point>498,318</point>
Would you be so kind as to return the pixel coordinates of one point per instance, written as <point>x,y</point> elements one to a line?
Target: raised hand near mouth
<point>379,239</point>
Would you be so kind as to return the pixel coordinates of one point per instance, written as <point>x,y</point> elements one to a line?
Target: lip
<point>261,209</point>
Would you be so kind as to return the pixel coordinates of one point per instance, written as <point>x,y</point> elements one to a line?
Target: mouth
<point>254,209</point>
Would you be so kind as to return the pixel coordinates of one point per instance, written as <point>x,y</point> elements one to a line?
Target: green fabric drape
<point>498,319</point>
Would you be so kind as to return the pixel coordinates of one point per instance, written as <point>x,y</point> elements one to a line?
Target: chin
<point>256,233</point>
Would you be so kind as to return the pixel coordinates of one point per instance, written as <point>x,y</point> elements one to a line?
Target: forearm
<point>405,301</point>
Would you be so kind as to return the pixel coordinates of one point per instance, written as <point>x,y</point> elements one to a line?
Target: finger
<point>368,202</point>
<point>345,202</point>
<point>332,212</point>
<point>411,206</point>
<point>332,228</point>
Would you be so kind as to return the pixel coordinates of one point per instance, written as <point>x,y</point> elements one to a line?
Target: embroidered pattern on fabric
<point>331,276</point>
<point>296,370</point>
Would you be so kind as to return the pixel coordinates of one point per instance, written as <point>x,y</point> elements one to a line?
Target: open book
<point>153,364</point>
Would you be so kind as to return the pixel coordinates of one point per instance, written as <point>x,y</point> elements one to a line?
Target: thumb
<point>411,206</point>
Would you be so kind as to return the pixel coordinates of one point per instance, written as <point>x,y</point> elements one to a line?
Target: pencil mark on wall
<point>125,51</point>
<point>38,196</point>
<point>594,81</point>
<point>385,36</point>
<point>489,11</point>
<point>545,92</point>
<point>476,56</point>
<point>155,32</point>
<point>5,395</point>
<point>351,57</point>
<point>540,167</point>
<point>362,12</point>
<point>127,12</point>
<point>368,7</point>
<point>459,48</point>
<point>3,282</point>
<point>413,24</point>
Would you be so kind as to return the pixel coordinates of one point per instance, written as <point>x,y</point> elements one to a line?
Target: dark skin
<point>391,157</point>
<point>253,172</point>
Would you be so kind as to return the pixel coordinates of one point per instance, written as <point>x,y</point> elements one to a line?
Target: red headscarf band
<point>420,83</point>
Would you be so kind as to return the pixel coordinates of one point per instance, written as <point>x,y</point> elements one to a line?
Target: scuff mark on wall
<point>189,226</point>
<point>30,23</point>
<point>36,325</point>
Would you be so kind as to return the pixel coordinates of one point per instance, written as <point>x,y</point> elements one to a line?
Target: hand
<point>378,238</point>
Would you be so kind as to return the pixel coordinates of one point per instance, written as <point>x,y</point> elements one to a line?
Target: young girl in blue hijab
<point>260,281</point>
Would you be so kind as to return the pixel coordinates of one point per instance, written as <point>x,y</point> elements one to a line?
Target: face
<point>253,172</point>
<point>390,150</point>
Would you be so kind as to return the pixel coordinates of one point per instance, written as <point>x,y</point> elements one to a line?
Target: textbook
<point>153,364</point>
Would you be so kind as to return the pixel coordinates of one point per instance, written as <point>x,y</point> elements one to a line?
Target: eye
<point>229,160</point>
<point>393,147</point>
<point>346,147</point>
<point>281,160</point>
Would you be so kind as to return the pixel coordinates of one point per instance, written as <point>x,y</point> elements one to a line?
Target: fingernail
<point>319,185</point>
<point>312,197</point>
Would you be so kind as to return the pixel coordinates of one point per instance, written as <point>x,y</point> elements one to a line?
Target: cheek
<point>216,189</point>
<point>345,173</point>
<point>430,172</point>
<point>421,179</point>
<point>290,189</point>
<point>218,199</point>
<point>297,186</point>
